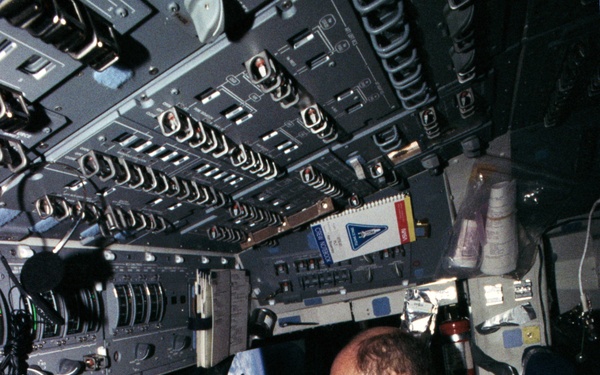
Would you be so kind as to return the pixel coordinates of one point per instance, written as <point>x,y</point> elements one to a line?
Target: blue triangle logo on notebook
<point>360,234</point>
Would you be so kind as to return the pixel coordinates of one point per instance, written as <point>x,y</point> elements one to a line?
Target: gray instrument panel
<point>232,146</point>
<point>125,311</point>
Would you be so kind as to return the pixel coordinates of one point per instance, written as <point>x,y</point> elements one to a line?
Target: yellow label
<point>531,335</point>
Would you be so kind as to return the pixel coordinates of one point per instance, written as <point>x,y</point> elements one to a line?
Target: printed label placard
<point>376,226</point>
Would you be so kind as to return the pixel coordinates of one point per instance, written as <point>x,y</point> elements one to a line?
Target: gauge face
<point>140,301</point>
<point>156,298</point>
<point>74,306</point>
<point>50,329</point>
<point>93,310</point>
<point>83,311</point>
<point>124,305</point>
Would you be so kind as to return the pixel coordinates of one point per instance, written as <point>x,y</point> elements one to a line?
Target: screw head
<point>121,12</point>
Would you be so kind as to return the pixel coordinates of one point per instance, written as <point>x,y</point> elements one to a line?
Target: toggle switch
<point>143,351</point>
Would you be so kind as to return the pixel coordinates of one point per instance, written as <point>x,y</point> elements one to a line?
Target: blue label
<point>290,319</point>
<point>322,243</point>
<point>381,307</point>
<point>313,301</point>
<point>360,234</point>
<point>513,338</point>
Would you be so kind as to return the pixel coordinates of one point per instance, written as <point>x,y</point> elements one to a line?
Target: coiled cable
<point>19,343</point>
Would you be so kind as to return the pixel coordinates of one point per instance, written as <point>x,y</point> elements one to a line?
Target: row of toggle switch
<point>218,233</point>
<point>256,163</point>
<point>317,180</point>
<point>113,219</point>
<point>271,79</point>
<point>128,174</point>
<point>59,209</point>
<point>459,19</point>
<point>174,122</point>
<point>68,26</point>
<point>315,120</point>
<point>391,39</point>
<point>117,219</point>
<point>243,212</point>
<point>264,73</point>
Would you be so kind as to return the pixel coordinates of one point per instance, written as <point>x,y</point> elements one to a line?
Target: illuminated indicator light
<point>235,182</point>
<point>211,172</point>
<point>229,178</point>
<point>157,151</point>
<point>243,119</point>
<point>203,168</point>
<point>109,191</point>
<point>284,145</point>
<point>234,112</point>
<point>175,206</point>
<point>155,202</point>
<point>262,197</point>
<point>181,160</point>
<point>294,148</point>
<point>318,61</point>
<point>270,135</point>
<point>345,95</point>
<point>300,42</point>
<point>6,47</point>
<point>126,139</point>
<point>210,96</point>
<point>143,146</point>
<point>169,156</point>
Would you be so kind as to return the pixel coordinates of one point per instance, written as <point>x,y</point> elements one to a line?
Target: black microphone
<point>44,310</point>
<point>45,270</point>
<point>42,272</point>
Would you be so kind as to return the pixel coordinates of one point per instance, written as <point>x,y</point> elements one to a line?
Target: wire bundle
<point>19,344</point>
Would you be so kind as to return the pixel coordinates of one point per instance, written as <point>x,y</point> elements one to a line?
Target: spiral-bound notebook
<point>375,226</point>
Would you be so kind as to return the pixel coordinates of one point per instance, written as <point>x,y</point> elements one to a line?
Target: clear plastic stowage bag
<point>505,210</point>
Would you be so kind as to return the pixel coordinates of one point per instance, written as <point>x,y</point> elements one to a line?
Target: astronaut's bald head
<point>382,351</point>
